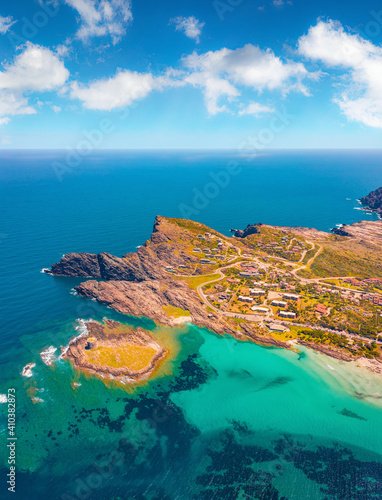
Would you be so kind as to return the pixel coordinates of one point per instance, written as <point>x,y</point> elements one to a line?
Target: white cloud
<point>120,90</point>
<point>102,17</point>
<point>5,24</point>
<point>281,3</point>
<point>256,109</point>
<point>4,121</point>
<point>362,98</point>
<point>6,141</point>
<point>190,26</point>
<point>219,73</point>
<point>56,109</point>
<point>35,69</point>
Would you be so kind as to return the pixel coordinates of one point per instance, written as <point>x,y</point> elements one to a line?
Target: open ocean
<point>234,420</point>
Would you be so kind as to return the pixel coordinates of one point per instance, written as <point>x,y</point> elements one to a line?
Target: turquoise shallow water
<point>235,420</point>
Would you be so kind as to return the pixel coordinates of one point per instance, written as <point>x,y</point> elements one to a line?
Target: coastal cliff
<point>145,264</point>
<point>373,201</point>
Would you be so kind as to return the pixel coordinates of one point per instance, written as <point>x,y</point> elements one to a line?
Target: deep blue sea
<point>294,428</point>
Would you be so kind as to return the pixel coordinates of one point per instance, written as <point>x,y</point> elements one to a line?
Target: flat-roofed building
<point>287,314</point>
<point>279,303</point>
<point>291,296</point>
<point>259,309</point>
<point>243,298</point>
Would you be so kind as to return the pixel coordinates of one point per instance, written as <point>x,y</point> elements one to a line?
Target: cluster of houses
<point>280,247</point>
<point>374,298</point>
<point>251,271</point>
<point>352,296</point>
<point>210,253</point>
<point>364,283</point>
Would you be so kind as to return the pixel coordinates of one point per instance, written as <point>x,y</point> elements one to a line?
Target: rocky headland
<point>373,201</point>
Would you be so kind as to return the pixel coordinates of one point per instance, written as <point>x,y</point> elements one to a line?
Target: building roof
<point>320,308</point>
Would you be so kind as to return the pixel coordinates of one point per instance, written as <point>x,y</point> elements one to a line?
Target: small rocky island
<point>373,201</point>
<point>115,351</point>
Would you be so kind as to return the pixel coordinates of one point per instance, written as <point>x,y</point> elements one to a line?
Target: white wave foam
<point>27,370</point>
<point>37,400</point>
<point>48,356</point>
<point>83,332</point>
<point>3,398</point>
<point>44,270</point>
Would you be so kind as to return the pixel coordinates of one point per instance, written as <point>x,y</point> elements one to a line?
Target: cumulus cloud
<point>118,91</point>
<point>328,43</point>
<point>102,17</point>
<point>256,109</point>
<point>220,73</point>
<point>5,24</point>
<point>35,69</point>
<point>190,26</point>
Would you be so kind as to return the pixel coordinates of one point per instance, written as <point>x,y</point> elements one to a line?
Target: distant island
<point>373,201</point>
<point>270,285</point>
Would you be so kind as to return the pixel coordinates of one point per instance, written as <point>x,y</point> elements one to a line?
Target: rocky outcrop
<point>339,231</point>
<point>373,201</point>
<point>149,262</point>
<point>250,229</point>
<point>77,264</point>
<point>78,348</point>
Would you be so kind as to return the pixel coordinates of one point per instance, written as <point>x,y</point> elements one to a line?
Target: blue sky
<point>238,74</point>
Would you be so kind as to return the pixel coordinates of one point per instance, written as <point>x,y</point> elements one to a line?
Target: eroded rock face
<point>250,229</point>
<point>77,264</point>
<point>147,299</point>
<point>373,201</point>
<point>148,262</point>
<point>340,232</point>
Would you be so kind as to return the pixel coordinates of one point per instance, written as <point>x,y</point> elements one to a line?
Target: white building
<point>260,309</point>
<point>279,303</point>
<point>243,298</point>
<point>287,314</point>
<point>291,296</point>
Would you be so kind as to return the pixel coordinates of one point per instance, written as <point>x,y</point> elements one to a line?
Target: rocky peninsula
<point>187,272</point>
